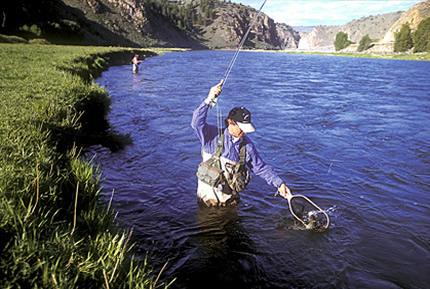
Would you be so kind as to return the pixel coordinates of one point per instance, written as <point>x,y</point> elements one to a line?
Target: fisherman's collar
<point>232,138</point>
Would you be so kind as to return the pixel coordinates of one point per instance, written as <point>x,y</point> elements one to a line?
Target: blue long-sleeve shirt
<point>208,135</point>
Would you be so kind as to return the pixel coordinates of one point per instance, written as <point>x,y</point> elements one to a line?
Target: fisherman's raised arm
<point>214,93</point>
<point>198,122</point>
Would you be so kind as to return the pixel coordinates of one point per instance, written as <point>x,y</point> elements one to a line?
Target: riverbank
<point>398,56</point>
<point>54,231</point>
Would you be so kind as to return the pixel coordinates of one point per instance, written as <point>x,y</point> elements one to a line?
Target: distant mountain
<point>322,37</point>
<point>303,29</point>
<point>380,28</point>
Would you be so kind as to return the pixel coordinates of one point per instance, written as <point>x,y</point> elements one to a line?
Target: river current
<point>352,134</point>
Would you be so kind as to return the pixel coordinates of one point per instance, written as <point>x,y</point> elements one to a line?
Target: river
<point>352,134</point>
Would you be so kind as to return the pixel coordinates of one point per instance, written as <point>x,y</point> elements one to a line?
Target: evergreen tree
<point>203,6</point>
<point>422,36</point>
<point>208,12</point>
<point>189,11</point>
<point>403,39</point>
<point>364,43</point>
<point>341,41</point>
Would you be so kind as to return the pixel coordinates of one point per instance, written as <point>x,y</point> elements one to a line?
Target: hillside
<point>413,17</point>
<point>196,24</point>
<point>322,37</point>
<point>381,27</point>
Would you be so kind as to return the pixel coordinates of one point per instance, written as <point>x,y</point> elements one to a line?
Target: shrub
<point>40,41</point>
<point>422,37</point>
<point>403,39</point>
<point>364,43</point>
<point>341,41</point>
<point>33,30</point>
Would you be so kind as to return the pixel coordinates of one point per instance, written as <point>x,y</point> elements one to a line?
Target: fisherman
<point>228,155</point>
<point>136,63</point>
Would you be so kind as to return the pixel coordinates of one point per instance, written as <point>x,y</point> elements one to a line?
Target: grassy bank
<point>399,56</point>
<point>54,231</point>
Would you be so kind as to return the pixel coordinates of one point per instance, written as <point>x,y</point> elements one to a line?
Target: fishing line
<point>310,221</point>
<point>230,66</point>
<point>219,119</point>
<point>233,60</point>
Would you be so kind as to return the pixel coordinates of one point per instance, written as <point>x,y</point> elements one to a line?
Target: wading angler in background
<point>228,156</point>
<point>135,61</point>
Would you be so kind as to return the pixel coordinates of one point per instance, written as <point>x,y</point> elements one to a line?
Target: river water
<point>352,134</point>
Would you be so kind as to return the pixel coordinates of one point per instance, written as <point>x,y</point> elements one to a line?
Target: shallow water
<point>352,134</point>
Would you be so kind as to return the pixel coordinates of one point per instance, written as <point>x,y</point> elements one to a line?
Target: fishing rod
<point>233,60</point>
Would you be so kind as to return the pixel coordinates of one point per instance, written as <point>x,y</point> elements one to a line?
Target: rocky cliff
<point>289,38</point>
<point>413,17</point>
<point>232,22</point>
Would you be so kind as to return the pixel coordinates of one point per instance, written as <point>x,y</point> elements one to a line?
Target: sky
<point>327,12</point>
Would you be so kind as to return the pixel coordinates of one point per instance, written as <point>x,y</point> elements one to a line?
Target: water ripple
<point>357,143</point>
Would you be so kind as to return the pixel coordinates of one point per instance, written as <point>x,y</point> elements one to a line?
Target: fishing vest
<point>211,173</point>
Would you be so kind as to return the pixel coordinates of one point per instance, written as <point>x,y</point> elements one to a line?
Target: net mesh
<point>311,216</point>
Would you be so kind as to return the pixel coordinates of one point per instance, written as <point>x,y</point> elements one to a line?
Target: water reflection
<point>225,255</point>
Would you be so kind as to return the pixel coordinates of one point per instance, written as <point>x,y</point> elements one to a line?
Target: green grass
<point>55,232</point>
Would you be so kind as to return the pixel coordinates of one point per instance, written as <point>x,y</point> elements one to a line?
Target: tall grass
<point>54,232</point>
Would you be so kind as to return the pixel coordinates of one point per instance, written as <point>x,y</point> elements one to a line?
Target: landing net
<point>308,213</point>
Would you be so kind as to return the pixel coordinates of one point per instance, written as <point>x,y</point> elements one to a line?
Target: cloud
<point>336,12</point>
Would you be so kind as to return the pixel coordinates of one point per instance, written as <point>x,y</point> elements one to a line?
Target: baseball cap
<point>242,117</point>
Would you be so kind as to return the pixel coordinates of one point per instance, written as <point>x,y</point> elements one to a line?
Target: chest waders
<point>210,172</point>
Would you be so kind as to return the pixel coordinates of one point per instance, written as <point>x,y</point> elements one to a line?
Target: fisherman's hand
<point>284,191</point>
<point>214,92</point>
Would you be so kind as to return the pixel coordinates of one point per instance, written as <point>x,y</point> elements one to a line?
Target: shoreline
<point>394,56</point>
<point>423,56</point>
<point>56,232</point>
